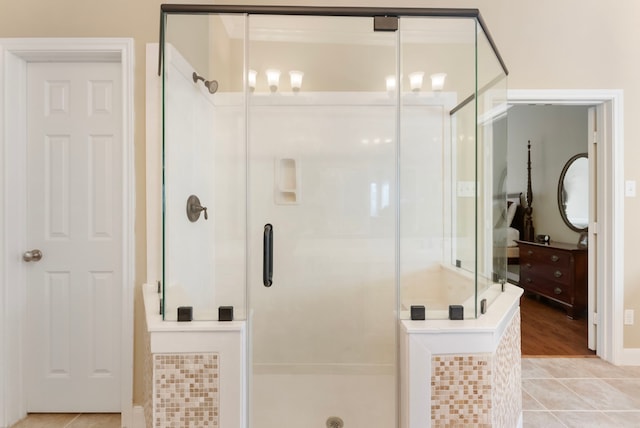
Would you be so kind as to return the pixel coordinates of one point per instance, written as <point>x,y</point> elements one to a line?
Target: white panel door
<point>73,332</point>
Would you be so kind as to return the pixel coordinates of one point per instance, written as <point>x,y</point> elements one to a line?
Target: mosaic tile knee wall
<point>186,390</point>
<point>479,390</point>
<point>507,375</point>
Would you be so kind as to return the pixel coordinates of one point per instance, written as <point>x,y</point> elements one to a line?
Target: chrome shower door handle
<point>32,256</point>
<point>267,255</point>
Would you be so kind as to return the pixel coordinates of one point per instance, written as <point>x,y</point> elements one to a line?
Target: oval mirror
<point>573,193</point>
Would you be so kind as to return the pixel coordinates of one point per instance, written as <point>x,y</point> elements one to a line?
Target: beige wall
<point>547,44</point>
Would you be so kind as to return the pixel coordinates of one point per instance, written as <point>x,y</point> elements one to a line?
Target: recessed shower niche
<point>287,181</point>
<point>356,166</point>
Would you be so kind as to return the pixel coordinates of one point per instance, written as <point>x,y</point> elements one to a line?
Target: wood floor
<point>547,331</point>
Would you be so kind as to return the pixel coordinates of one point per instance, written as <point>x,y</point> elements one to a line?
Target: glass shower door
<point>322,218</point>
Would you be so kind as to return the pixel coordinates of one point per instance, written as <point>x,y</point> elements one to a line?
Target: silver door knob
<point>32,256</point>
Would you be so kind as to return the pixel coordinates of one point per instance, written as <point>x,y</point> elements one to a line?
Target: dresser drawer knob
<point>554,258</point>
<point>557,274</point>
<point>557,290</point>
<point>529,280</point>
<point>528,265</point>
<point>530,252</point>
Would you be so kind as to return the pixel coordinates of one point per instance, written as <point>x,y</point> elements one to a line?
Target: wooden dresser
<point>557,271</point>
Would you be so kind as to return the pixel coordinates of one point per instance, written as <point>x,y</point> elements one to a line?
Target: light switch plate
<point>630,188</point>
<point>466,189</point>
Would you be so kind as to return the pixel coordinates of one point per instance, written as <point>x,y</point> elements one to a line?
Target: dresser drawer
<point>546,287</point>
<point>547,256</point>
<point>561,275</point>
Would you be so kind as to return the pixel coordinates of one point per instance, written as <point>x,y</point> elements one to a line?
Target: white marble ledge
<point>473,336</point>
<point>155,323</point>
<point>498,315</point>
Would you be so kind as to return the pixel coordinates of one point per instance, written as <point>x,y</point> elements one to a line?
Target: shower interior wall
<point>348,199</point>
<point>201,256</point>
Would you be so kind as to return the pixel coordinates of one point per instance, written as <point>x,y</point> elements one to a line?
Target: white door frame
<point>610,299</point>
<point>14,56</point>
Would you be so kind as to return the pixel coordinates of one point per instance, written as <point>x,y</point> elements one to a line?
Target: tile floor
<point>579,392</point>
<point>70,420</point>
<point>556,393</point>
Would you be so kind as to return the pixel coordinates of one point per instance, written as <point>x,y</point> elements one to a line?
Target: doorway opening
<point>542,138</point>
<point>605,149</point>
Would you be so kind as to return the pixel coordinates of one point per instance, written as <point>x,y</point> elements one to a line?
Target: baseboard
<point>629,357</point>
<point>138,420</point>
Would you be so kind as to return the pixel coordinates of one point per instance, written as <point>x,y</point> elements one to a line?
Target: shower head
<point>211,85</point>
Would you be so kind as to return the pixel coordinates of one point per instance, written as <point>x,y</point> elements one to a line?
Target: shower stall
<point>326,174</point>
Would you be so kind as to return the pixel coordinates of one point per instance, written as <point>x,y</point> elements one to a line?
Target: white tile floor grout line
<point>558,420</point>
<point>551,374</point>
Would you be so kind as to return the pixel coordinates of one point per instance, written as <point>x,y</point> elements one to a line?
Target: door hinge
<point>385,23</point>
<point>594,227</point>
<point>595,318</point>
<point>595,137</point>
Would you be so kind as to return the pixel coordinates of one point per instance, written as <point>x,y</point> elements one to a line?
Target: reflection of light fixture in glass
<point>437,81</point>
<point>296,79</point>
<point>415,80</point>
<point>391,83</point>
<point>251,78</point>
<point>273,78</point>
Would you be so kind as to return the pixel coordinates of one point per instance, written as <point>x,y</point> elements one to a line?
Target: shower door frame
<point>362,12</point>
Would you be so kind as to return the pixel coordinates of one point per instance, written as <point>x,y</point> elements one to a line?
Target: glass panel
<point>204,154</point>
<point>322,173</point>
<point>436,177</point>
<point>464,197</point>
<point>492,169</point>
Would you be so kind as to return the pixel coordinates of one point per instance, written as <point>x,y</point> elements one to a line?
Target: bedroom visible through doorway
<point>545,258</point>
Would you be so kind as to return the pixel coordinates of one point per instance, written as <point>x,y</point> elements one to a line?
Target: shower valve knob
<point>194,208</point>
